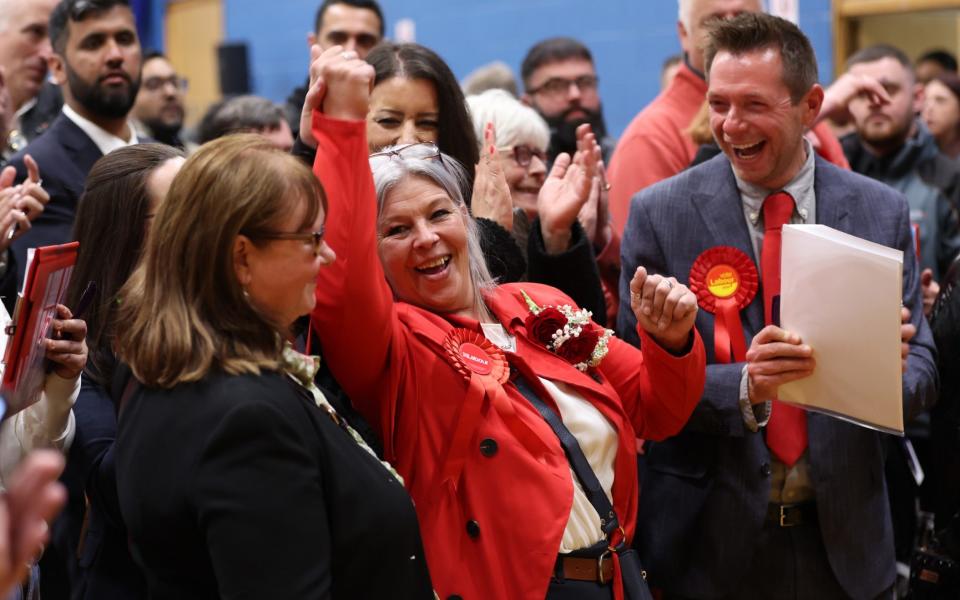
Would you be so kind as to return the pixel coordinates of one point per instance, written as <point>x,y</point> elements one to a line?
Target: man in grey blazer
<point>721,514</point>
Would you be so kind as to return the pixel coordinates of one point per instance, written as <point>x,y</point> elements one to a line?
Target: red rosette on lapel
<point>471,353</point>
<point>725,281</point>
<point>484,366</point>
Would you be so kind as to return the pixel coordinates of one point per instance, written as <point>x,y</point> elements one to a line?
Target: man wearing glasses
<point>561,84</point>
<point>158,110</point>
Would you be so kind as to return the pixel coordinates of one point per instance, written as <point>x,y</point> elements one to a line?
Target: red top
<point>655,145</point>
<point>389,357</point>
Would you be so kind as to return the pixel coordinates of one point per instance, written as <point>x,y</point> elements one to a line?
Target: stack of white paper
<point>843,295</point>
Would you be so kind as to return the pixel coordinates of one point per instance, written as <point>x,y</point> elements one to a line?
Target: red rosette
<point>725,281</point>
<point>471,353</point>
<point>732,275</point>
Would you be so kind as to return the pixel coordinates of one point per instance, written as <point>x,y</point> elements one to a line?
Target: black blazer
<point>65,155</point>
<point>89,536</point>
<point>240,487</point>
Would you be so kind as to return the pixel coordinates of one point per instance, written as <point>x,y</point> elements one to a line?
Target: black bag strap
<point>578,462</point>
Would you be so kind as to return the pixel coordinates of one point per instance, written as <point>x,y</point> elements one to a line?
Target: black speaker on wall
<point>234,68</point>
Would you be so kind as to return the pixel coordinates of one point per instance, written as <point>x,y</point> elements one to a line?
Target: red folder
<point>45,286</point>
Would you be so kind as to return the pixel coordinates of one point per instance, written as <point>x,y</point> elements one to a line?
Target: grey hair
<point>515,123</point>
<point>685,11</point>
<point>389,170</point>
<point>684,8</point>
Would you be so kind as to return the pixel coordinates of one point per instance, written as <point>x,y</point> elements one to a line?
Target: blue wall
<point>629,38</point>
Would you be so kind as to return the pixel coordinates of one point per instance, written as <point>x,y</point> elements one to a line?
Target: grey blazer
<point>704,494</point>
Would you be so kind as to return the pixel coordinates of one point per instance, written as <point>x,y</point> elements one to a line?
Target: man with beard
<point>561,84</point>
<point>31,103</point>
<point>158,110</point>
<point>890,144</point>
<point>96,61</point>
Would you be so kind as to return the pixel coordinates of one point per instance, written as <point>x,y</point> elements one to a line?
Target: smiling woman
<point>427,242</point>
<point>449,367</point>
<point>416,98</point>
<point>265,476</point>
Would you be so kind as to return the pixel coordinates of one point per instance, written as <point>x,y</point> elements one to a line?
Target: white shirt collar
<point>105,141</point>
<point>26,107</point>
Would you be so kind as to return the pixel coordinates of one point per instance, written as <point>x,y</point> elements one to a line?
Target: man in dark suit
<point>24,52</point>
<point>96,61</point>
<point>755,498</point>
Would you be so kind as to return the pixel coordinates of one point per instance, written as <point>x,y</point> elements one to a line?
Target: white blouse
<point>598,440</point>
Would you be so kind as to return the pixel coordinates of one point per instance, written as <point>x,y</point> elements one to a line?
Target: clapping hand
<point>594,217</point>
<point>567,189</point>
<point>665,308</point>
<point>20,204</point>
<point>491,193</point>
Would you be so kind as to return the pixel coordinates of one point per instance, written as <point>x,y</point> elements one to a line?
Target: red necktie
<point>787,429</point>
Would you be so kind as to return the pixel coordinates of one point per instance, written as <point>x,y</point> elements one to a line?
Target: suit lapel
<point>721,211</point>
<point>833,201</point>
<point>78,144</point>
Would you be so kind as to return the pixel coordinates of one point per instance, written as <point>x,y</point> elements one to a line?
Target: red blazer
<point>492,520</point>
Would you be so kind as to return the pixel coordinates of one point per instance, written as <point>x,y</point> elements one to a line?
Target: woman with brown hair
<point>236,477</point>
<point>941,112</point>
<point>123,191</point>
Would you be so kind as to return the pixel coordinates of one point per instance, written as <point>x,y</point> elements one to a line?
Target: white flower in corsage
<point>569,333</point>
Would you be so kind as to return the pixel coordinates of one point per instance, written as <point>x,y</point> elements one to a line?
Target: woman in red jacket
<point>443,362</point>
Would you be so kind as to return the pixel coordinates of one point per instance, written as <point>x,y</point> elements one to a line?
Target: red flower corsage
<point>569,333</point>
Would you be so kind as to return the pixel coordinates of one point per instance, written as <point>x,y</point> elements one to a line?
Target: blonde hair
<point>185,312</point>
<point>699,129</point>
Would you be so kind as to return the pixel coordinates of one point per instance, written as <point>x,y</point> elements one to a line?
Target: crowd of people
<point>393,339</point>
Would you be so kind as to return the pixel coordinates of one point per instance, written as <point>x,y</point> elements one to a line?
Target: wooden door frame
<point>846,15</point>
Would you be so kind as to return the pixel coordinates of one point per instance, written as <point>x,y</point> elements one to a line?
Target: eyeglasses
<point>558,86</point>
<point>314,237</point>
<point>154,84</point>
<point>419,151</point>
<point>524,154</point>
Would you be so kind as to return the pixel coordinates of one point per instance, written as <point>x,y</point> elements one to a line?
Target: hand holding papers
<point>47,276</point>
<point>843,295</point>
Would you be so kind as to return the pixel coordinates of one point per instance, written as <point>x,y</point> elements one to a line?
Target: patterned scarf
<point>302,369</point>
